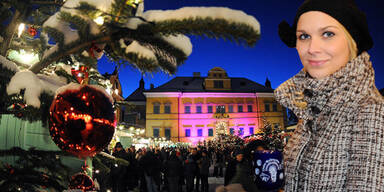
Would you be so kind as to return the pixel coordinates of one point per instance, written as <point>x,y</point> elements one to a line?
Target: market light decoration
<point>24,57</point>
<point>99,20</point>
<point>20,29</point>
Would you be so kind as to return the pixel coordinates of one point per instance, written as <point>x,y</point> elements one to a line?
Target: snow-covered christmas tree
<point>46,45</point>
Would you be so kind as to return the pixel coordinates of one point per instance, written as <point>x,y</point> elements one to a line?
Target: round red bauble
<point>82,120</point>
<point>81,181</point>
<point>32,31</point>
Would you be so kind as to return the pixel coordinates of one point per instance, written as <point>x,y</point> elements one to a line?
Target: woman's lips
<point>316,62</point>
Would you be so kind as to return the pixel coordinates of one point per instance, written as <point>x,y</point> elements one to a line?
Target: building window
<point>240,108</point>
<point>250,109</point>
<point>200,132</point>
<point>251,131</point>
<point>241,131</point>
<point>156,109</point>
<point>156,132</point>
<point>167,109</point>
<point>210,132</point>
<point>187,133</point>
<point>220,109</point>
<point>231,131</point>
<point>230,108</point>
<point>274,107</point>
<point>167,133</point>
<point>198,109</point>
<point>187,109</point>
<point>266,106</point>
<point>218,84</point>
<point>210,109</point>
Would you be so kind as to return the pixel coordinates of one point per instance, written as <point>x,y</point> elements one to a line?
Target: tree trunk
<point>10,31</point>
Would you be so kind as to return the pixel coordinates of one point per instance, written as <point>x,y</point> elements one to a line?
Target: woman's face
<point>321,44</point>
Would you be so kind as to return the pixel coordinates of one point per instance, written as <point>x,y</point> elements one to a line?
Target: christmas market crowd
<point>180,168</point>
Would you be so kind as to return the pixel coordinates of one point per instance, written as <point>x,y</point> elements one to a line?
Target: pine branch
<point>76,48</point>
<point>212,28</point>
<point>9,32</point>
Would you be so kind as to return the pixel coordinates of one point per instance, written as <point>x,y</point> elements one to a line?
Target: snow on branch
<point>227,14</point>
<point>34,86</point>
<point>181,42</point>
<point>141,51</point>
<point>8,64</point>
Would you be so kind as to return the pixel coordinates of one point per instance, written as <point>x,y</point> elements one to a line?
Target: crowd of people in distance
<point>179,169</point>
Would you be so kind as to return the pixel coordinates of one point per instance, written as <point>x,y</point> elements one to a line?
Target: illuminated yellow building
<point>192,109</point>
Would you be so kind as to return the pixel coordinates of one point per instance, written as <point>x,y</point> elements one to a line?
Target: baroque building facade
<point>194,109</point>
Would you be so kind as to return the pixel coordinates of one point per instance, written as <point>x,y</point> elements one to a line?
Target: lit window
<point>240,108</point>
<point>200,132</point>
<point>250,109</point>
<point>167,109</point>
<point>218,84</point>
<point>167,133</point>
<point>220,109</point>
<point>156,132</point>
<point>230,108</point>
<point>156,109</point>
<point>241,131</point>
<point>210,109</point>
<point>251,131</point>
<point>198,109</point>
<point>187,109</point>
<point>266,106</point>
<point>210,132</point>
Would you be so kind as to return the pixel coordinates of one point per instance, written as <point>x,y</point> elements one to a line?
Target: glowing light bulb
<point>99,20</point>
<point>20,29</point>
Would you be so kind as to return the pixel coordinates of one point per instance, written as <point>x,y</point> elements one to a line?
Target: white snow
<point>70,35</point>
<point>8,64</point>
<point>133,23</point>
<point>75,86</point>
<point>181,42</point>
<point>230,15</point>
<point>142,51</point>
<point>34,85</point>
<point>50,51</point>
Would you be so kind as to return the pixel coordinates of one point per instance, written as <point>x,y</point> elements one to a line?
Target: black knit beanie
<point>344,11</point>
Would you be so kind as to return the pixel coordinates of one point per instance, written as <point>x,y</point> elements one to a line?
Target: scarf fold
<point>307,96</point>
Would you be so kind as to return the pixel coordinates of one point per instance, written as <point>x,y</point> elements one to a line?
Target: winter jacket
<point>243,176</point>
<point>204,165</point>
<point>339,141</point>
<point>173,167</point>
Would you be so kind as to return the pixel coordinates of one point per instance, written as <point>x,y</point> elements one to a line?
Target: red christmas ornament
<point>81,181</point>
<point>80,74</point>
<point>82,121</point>
<point>32,31</point>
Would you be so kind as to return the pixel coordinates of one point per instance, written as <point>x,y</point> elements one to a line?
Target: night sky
<point>270,57</point>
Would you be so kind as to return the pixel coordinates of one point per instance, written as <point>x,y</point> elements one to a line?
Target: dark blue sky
<point>268,58</point>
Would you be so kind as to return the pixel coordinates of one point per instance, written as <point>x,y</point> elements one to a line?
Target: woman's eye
<point>328,34</point>
<point>304,36</point>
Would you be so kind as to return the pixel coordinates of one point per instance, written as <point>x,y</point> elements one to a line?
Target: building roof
<point>196,84</point>
<point>137,95</point>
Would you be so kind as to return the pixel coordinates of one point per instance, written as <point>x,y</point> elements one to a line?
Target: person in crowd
<point>204,165</point>
<point>118,171</point>
<point>173,169</point>
<point>338,142</point>
<point>243,172</point>
<point>190,167</point>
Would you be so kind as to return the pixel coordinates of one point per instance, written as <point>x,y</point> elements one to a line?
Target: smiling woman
<point>322,44</point>
<point>336,145</point>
